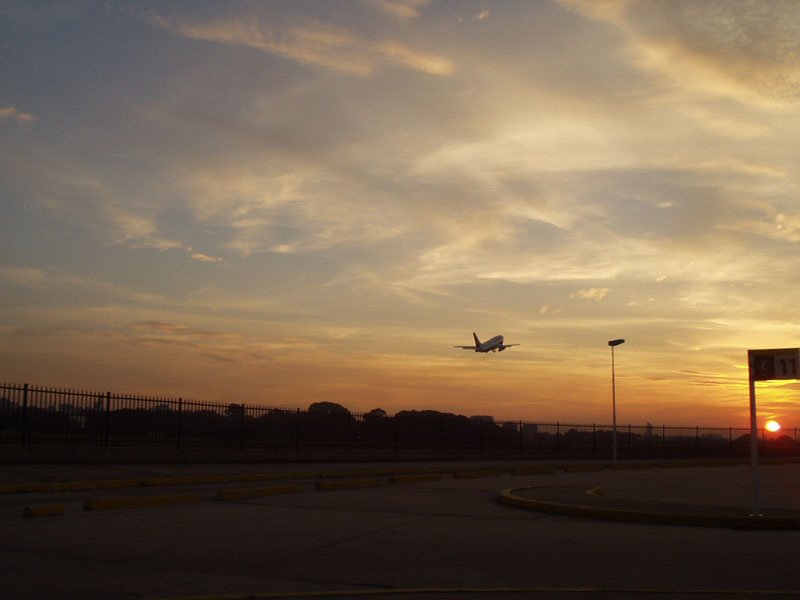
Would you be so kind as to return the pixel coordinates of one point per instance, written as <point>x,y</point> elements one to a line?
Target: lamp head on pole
<point>613,343</point>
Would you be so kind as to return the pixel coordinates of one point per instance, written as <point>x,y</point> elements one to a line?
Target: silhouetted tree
<point>235,410</point>
<point>327,422</point>
<point>328,408</point>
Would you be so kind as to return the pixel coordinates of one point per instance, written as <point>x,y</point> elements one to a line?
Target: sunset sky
<point>295,201</point>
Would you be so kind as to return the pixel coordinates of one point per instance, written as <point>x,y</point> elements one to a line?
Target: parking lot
<point>442,534</point>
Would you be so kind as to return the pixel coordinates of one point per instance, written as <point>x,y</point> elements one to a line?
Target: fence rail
<point>31,415</point>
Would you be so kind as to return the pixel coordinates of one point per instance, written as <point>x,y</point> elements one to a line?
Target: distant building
<point>482,418</point>
<point>530,429</point>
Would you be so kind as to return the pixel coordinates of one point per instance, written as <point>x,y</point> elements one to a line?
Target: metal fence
<point>31,415</point>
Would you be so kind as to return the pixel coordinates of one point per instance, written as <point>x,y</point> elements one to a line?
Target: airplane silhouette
<point>494,344</point>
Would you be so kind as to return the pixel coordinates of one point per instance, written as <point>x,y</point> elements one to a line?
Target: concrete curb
<point>593,468</point>
<point>141,501</point>
<point>533,470</point>
<point>56,454</point>
<point>326,486</point>
<point>477,474</point>
<point>414,478</point>
<point>43,510</point>
<point>458,473</point>
<point>510,497</point>
<point>248,493</point>
<point>26,488</point>
<point>544,591</point>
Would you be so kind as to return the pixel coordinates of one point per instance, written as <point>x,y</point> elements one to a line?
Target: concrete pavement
<point>443,538</point>
<point>698,496</point>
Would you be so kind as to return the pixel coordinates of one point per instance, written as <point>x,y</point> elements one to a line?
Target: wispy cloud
<point>9,113</point>
<point>590,294</point>
<point>743,50</point>
<point>317,44</point>
<point>287,213</point>
<point>199,256</point>
<point>135,228</point>
<point>400,9</point>
<point>178,330</point>
<point>24,276</point>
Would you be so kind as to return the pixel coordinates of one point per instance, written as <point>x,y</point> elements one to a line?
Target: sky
<point>288,202</point>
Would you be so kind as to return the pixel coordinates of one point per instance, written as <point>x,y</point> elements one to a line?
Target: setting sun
<point>772,426</point>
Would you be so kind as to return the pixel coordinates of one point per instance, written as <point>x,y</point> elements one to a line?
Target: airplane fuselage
<point>491,345</point>
<point>496,343</point>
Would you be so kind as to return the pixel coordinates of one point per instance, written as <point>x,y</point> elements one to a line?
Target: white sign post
<point>766,365</point>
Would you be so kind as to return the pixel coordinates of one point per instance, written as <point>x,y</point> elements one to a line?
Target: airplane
<point>494,344</point>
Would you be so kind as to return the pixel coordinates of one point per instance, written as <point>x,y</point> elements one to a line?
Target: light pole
<point>614,343</point>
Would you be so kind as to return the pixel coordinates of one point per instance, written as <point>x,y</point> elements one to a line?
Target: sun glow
<point>772,426</point>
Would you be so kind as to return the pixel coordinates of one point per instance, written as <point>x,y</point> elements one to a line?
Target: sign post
<point>766,365</point>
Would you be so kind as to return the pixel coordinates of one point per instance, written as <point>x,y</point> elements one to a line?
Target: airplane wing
<point>504,346</point>
<point>466,347</point>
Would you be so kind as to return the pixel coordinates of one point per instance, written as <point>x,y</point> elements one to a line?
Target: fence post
<point>24,425</point>
<point>594,439</point>
<point>558,437</point>
<point>519,434</point>
<point>179,433</point>
<point>242,427</point>
<point>107,435</point>
<point>396,433</point>
<point>297,431</point>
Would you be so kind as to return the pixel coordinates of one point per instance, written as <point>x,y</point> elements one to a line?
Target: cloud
<point>135,228</point>
<point>547,309</point>
<point>174,329</point>
<point>199,256</point>
<point>74,286</point>
<point>780,226</point>
<point>116,212</point>
<point>9,113</point>
<point>316,43</point>
<point>743,49</point>
<point>400,9</point>
<point>634,303</point>
<point>288,212</point>
<point>590,294</point>
<point>23,276</point>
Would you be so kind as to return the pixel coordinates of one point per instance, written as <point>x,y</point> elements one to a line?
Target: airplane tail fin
<point>477,341</point>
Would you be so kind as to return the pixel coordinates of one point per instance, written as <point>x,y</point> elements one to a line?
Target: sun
<point>772,426</point>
